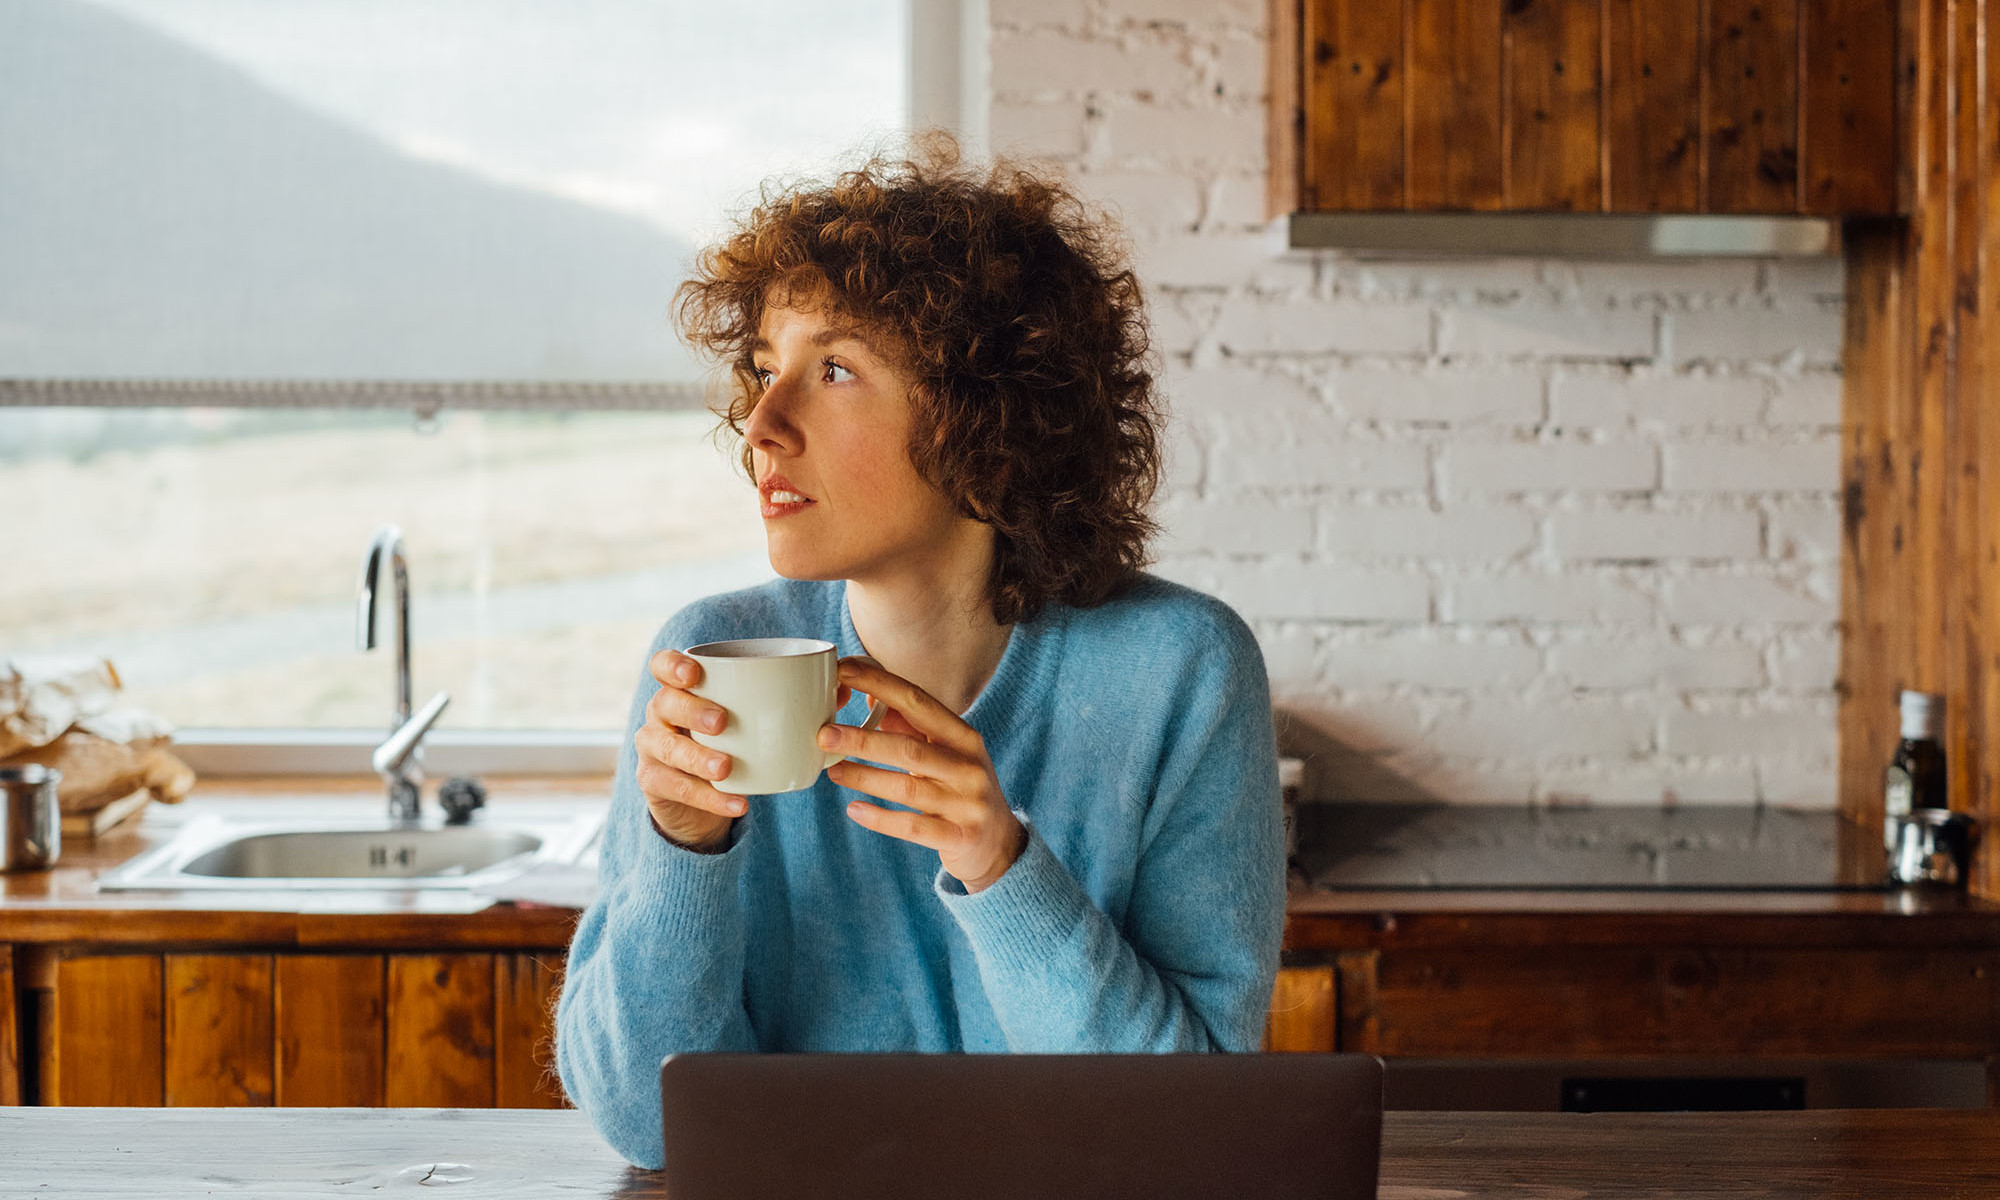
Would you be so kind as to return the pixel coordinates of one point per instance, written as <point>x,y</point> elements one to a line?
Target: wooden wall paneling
<point>1303,1016</point>
<point>1284,129</point>
<point>1983,776</point>
<point>330,1030</point>
<point>1876,627</point>
<point>1652,104</point>
<point>1454,104</point>
<point>1752,115</point>
<point>11,1055</point>
<point>524,1061</point>
<point>1966,581</point>
<point>1355,152</point>
<point>218,1042</point>
<point>1358,997</point>
<point>1848,113</point>
<point>440,1031</point>
<point>1552,113</point>
<point>108,1032</point>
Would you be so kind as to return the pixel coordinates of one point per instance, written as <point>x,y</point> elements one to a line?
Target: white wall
<point>1507,530</point>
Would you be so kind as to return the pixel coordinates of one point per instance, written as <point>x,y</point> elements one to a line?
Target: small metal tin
<point>1932,847</point>
<point>30,818</point>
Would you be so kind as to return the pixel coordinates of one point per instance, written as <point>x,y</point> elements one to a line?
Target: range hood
<point>1562,235</point>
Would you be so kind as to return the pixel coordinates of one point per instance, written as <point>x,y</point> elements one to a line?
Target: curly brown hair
<point>1010,306</point>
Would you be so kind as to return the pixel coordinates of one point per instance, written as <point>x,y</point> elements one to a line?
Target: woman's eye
<point>832,366</point>
<point>762,376</point>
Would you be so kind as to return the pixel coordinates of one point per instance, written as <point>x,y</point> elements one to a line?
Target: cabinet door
<point>106,1032</point>
<point>1302,1011</point>
<point>1730,106</point>
<point>217,1046</point>
<point>10,1030</point>
<point>524,1045</point>
<point>331,1030</point>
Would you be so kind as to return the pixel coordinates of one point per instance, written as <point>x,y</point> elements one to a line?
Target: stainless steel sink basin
<point>363,854</point>
<point>216,853</point>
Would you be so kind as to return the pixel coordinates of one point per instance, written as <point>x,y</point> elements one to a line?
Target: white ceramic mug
<point>777,693</point>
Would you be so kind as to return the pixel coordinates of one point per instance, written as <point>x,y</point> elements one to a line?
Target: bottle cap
<point>1923,715</point>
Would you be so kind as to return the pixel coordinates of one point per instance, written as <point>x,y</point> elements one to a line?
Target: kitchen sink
<point>218,853</point>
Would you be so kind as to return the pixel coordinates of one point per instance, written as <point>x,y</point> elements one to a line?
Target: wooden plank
<point>1652,105</point>
<point>1284,121</point>
<point>1693,1001</point>
<point>10,1030</point>
<point>1303,1016</point>
<point>109,1032</point>
<point>440,1031</point>
<point>1752,115</point>
<point>1359,998</point>
<point>218,1030</point>
<point>1875,619</point>
<point>330,1030</point>
<point>525,988</point>
<point>1983,776</point>
<point>1552,111</point>
<point>1848,106</point>
<point>1454,104</point>
<point>1965,580</point>
<point>1355,153</point>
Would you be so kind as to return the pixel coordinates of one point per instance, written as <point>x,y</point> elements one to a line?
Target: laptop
<point>1022,1126</point>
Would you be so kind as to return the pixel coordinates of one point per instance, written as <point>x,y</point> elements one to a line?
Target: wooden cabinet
<point>1585,1002</point>
<point>1669,106</point>
<point>468,1030</point>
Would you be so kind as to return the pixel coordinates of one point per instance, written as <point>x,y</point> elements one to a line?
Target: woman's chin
<point>789,563</point>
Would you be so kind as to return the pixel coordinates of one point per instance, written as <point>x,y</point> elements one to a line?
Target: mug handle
<point>876,711</point>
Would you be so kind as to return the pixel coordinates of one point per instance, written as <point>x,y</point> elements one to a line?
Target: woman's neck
<point>933,623</point>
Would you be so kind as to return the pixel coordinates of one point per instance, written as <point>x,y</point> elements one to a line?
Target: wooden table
<point>1820,1154</point>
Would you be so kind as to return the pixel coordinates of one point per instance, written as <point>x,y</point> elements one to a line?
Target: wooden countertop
<point>63,905</point>
<point>1906,1154</point>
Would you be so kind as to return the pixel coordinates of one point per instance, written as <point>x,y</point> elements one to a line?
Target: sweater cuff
<point>1025,914</point>
<point>669,886</point>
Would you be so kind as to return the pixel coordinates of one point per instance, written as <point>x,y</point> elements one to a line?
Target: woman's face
<point>829,439</point>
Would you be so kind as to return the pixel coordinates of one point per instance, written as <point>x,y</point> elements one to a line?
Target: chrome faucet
<point>400,758</point>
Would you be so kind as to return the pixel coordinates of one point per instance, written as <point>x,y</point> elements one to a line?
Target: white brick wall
<point>1507,530</point>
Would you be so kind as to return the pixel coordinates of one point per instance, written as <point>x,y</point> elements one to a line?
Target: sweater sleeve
<point>1194,966</point>
<point>657,962</point>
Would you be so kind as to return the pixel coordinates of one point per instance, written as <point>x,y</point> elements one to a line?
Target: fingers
<point>685,710</point>
<point>675,768</point>
<point>935,833</point>
<point>925,795</point>
<point>924,712</point>
<point>674,669</point>
<point>913,754</point>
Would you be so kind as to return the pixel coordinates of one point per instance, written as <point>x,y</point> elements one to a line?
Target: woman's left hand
<point>961,812</point>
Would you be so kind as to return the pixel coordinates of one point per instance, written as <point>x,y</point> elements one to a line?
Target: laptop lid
<point>988,1126</point>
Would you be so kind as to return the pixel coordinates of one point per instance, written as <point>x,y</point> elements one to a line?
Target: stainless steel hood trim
<point>1562,235</point>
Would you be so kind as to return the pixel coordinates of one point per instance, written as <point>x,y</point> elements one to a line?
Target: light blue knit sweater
<point>1135,741</point>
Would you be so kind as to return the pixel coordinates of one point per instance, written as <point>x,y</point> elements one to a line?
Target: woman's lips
<point>780,499</point>
<point>776,508</point>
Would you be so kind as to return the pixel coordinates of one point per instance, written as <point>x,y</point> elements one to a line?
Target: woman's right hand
<point>675,771</point>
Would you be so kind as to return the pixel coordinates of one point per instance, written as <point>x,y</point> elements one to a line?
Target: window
<point>283,271</point>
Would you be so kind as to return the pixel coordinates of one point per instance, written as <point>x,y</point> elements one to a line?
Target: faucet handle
<point>393,753</point>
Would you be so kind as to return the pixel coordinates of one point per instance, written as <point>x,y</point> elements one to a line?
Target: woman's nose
<point>770,422</point>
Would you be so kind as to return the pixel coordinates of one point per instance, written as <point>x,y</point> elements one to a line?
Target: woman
<point>1072,843</point>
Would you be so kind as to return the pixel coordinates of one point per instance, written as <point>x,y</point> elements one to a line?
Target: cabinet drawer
<point>1691,1001</point>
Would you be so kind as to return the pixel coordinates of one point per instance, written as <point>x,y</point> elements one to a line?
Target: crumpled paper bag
<point>63,713</point>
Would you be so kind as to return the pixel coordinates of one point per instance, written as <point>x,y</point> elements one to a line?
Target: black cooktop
<point>1706,847</point>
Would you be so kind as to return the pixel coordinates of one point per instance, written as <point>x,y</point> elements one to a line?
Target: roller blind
<point>361,203</point>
